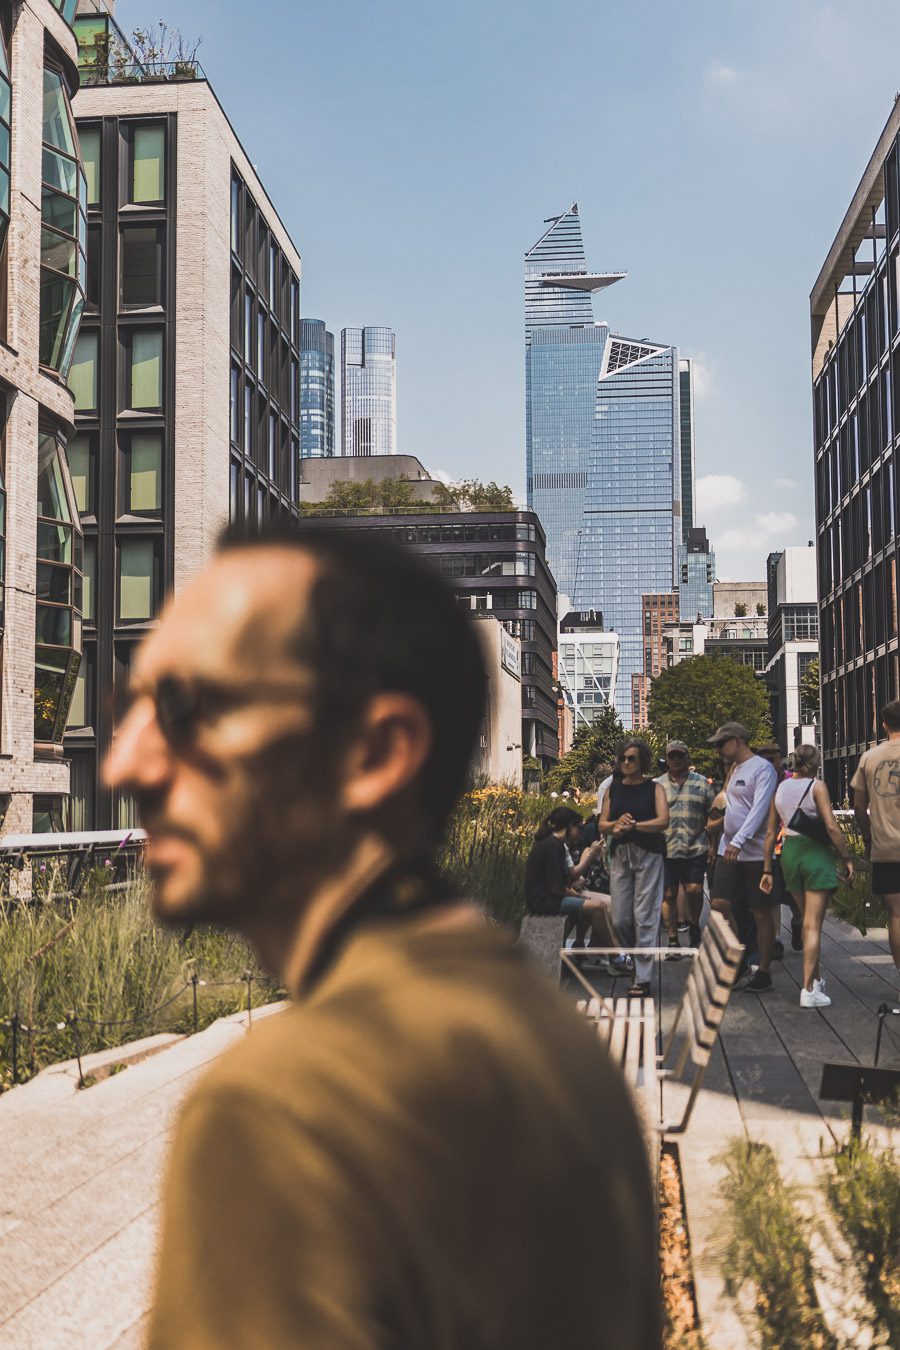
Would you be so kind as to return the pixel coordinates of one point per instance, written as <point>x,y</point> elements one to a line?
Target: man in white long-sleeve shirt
<point>740,865</point>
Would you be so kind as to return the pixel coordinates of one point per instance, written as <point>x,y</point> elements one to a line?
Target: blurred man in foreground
<point>427,1149</point>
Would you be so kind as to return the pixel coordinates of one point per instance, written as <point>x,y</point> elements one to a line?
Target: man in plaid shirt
<point>690,797</point>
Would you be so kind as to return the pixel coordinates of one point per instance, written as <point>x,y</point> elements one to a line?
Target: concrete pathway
<point>81,1173</point>
<point>763,1084</point>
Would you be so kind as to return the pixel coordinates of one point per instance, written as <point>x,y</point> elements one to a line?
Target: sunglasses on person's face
<point>182,706</point>
<point>629,759</point>
<point>676,754</point>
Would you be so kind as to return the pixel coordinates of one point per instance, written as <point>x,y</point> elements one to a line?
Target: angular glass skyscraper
<point>563,355</point>
<point>688,457</point>
<point>368,391</point>
<point>316,390</point>
<point>632,516</point>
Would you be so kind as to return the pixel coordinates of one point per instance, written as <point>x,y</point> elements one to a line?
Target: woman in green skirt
<point>807,859</point>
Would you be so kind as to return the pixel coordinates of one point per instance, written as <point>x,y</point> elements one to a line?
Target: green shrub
<point>767,1248</point>
<point>863,1193</point>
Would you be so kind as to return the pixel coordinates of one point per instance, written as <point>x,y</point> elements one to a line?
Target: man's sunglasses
<point>183,706</point>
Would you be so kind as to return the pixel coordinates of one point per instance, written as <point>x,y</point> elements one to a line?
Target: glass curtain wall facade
<point>63,225</point>
<point>688,452</point>
<point>368,391</point>
<point>632,518</point>
<point>855,310</point>
<point>316,390</point>
<point>563,356</point>
<point>696,574</point>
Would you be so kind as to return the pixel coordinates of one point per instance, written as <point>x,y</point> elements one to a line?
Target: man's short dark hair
<point>380,620</point>
<point>890,715</point>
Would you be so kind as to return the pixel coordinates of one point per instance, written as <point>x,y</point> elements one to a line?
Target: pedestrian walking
<point>739,865</point>
<point>635,816</point>
<point>876,804</point>
<point>801,808</point>
<point>772,751</point>
<point>689,797</point>
<point>415,1151</point>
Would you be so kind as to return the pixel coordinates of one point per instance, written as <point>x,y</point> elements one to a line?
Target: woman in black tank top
<point>635,814</point>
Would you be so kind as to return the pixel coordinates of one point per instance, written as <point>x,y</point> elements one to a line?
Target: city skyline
<point>756,122</point>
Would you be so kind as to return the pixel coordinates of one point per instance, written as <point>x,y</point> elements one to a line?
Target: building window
<point>83,375</point>
<point>92,279</point>
<point>64,228</point>
<point>145,370</point>
<point>142,266</point>
<point>5,133</point>
<point>142,477</point>
<point>59,593</point>
<point>89,140</point>
<point>80,454</point>
<point>138,578</point>
<point>81,713</point>
<point>88,580</point>
<point>148,164</point>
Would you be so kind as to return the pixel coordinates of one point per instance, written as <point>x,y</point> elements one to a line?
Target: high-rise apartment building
<point>631,528</point>
<point>368,391</point>
<point>588,658</point>
<point>793,643</point>
<point>563,356</point>
<point>855,317</point>
<point>658,612</point>
<point>186,372</point>
<point>316,390</point>
<point>688,449</point>
<point>42,283</point>
<point>695,576</point>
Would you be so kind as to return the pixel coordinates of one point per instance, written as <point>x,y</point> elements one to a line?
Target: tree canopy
<point>690,701</point>
<point>592,747</point>
<point>809,687</point>
<point>397,494</point>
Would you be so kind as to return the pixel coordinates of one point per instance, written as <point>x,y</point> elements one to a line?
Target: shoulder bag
<point>813,827</point>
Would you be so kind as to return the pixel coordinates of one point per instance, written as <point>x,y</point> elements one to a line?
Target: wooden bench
<point>628,1026</point>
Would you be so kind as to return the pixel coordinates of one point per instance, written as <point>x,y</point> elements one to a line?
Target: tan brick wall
<point>36,393</point>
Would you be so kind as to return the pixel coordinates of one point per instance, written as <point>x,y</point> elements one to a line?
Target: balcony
<point>119,69</point>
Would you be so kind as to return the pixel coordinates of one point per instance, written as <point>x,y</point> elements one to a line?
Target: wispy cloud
<point>719,73</point>
<point>705,386</point>
<point>717,490</point>
<point>785,484</point>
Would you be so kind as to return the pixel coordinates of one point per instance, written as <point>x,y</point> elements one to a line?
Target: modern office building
<point>588,658</point>
<point>631,527</point>
<point>186,372</point>
<point>688,448</point>
<point>316,390</point>
<point>563,356</point>
<point>855,319</point>
<point>496,560</point>
<point>744,639</point>
<point>793,643</point>
<point>42,281</point>
<point>658,611</point>
<point>368,391</point>
<point>695,575</point>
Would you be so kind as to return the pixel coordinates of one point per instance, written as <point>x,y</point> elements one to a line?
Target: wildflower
<point>107,862</point>
<point>43,867</point>
<point>554,795</point>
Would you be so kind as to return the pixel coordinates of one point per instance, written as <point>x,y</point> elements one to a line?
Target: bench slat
<point>619,1031</point>
<point>725,943</point>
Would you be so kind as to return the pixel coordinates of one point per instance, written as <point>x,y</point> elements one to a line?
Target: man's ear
<point>388,753</point>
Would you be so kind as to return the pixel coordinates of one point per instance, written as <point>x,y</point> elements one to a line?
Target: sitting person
<point>552,881</point>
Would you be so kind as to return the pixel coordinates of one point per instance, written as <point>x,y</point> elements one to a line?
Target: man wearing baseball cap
<point>690,797</point>
<point>740,866</point>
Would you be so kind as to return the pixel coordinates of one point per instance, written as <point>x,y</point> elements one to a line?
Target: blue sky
<point>414,151</point>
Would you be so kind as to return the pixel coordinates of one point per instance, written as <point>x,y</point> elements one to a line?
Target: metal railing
<point>101,70</point>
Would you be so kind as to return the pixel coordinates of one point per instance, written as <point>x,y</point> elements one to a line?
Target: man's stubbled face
<point>243,811</point>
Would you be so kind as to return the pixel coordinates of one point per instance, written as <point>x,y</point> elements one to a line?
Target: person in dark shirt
<point>635,814</point>
<point>550,876</point>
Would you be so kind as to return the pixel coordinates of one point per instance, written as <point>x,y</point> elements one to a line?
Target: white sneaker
<point>815,997</point>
